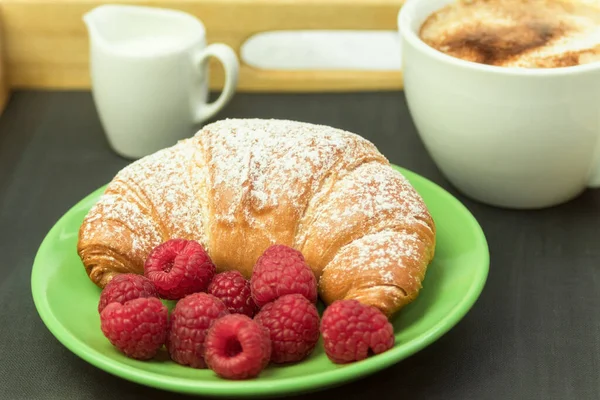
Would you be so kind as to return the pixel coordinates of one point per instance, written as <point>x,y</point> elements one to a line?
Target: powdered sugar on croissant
<point>240,185</point>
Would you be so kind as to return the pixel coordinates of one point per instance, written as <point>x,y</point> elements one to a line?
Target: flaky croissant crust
<point>240,185</point>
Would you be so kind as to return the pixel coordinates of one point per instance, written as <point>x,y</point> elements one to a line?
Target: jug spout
<point>99,20</point>
<point>115,25</point>
<point>90,20</point>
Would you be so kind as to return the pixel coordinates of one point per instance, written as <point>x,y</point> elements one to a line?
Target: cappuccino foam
<point>517,33</point>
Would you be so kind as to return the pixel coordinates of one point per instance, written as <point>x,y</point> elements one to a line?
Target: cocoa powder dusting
<point>521,33</point>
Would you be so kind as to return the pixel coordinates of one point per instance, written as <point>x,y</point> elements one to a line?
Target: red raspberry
<point>234,290</point>
<point>125,287</point>
<point>293,325</point>
<point>237,347</point>
<point>137,328</point>
<point>190,320</point>
<point>281,270</point>
<point>179,267</point>
<point>350,329</point>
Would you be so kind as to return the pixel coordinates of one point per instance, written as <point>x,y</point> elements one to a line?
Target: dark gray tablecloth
<point>533,334</point>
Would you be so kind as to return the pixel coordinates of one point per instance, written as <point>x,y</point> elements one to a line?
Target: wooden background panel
<point>4,89</point>
<point>47,42</point>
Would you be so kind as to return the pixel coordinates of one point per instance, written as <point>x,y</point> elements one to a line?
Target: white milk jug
<point>149,76</point>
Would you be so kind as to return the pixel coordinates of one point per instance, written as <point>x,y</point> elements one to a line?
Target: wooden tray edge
<point>46,41</point>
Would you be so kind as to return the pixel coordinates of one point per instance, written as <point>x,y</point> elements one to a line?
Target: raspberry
<point>190,320</point>
<point>281,270</point>
<point>237,347</point>
<point>234,290</point>
<point>137,328</point>
<point>179,267</point>
<point>293,325</point>
<point>350,329</point>
<point>125,287</point>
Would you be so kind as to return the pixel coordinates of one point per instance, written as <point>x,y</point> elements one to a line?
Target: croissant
<point>240,185</point>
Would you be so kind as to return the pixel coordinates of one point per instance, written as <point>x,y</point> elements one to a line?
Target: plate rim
<point>253,388</point>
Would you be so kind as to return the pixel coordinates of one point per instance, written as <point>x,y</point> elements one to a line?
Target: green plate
<point>67,303</point>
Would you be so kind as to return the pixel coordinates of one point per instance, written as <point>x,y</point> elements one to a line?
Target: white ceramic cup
<point>149,75</point>
<point>516,138</point>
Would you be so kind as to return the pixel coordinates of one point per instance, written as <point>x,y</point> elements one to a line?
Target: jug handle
<point>231,66</point>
